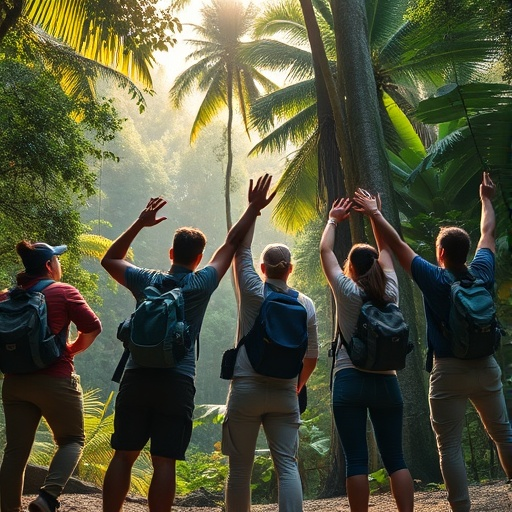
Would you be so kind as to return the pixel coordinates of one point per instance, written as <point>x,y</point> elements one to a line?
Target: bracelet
<point>332,221</point>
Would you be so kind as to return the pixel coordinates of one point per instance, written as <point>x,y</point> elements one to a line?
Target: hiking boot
<point>44,503</point>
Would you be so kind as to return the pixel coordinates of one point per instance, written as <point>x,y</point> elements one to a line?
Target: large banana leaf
<point>481,115</point>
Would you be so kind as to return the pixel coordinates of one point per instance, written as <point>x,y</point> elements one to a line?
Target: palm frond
<point>77,73</point>
<point>186,81</point>
<point>298,188</point>
<point>296,130</point>
<point>213,101</point>
<point>481,118</point>
<point>284,20</point>
<point>279,56</point>
<point>70,22</point>
<point>95,246</point>
<point>384,18</point>
<point>282,104</point>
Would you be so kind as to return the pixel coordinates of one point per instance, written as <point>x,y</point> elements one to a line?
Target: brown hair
<point>362,266</point>
<point>27,252</point>
<point>456,244</point>
<point>188,243</point>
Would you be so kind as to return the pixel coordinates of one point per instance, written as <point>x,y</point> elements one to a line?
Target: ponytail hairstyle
<point>362,266</point>
<point>33,264</point>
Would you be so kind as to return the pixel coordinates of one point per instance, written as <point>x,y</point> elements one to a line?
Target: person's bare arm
<point>385,233</point>
<point>259,198</point>
<point>82,342</point>
<point>339,212</point>
<point>385,257</point>
<point>488,217</point>
<point>114,261</point>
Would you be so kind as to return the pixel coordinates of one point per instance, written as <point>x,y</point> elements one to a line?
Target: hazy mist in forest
<point>156,158</point>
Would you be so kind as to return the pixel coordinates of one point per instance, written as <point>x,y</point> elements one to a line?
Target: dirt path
<point>492,497</point>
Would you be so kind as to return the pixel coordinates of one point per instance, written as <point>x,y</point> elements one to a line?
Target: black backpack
<point>26,342</point>
<point>381,339</point>
<point>278,340</point>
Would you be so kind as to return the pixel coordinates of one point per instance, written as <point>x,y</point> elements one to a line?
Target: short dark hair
<point>34,265</point>
<point>188,243</point>
<point>456,244</point>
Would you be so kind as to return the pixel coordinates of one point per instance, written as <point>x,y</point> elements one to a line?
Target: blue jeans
<point>272,403</point>
<point>452,383</point>
<point>357,393</point>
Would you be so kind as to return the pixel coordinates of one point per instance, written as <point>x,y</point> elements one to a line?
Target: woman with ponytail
<point>367,274</point>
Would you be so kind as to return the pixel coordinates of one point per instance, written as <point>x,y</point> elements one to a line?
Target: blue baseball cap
<point>40,254</point>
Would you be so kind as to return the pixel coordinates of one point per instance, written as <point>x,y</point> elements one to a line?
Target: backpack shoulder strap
<point>293,293</point>
<point>268,290</point>
<point>338,337</point>
<point>41,285</point>
<point>466,276</point>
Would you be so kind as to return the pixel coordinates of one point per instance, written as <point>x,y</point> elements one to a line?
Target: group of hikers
<point>155,404</point>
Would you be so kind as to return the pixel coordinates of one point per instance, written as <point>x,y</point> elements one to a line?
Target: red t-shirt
<point>65,305</point>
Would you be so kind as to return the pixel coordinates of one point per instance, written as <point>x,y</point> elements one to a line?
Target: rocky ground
<point>491,497</point>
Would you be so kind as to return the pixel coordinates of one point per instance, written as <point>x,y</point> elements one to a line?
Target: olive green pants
<point>26,399</point>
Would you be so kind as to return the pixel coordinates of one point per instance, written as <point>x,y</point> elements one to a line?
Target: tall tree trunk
<point>361,145</point>
<point>368,167</point>
<point>330,181</point>
<point>10,12</point>
<point>229,165</point>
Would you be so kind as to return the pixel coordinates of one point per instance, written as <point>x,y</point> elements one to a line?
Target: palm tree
<point>80,41</point>
<point>360,134</point>
<point>399,73</point>
<point>122,36</point>
<point>222,73</point>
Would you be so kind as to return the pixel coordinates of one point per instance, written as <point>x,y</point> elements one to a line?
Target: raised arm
<point>114,261</point>
<point>259,198</point>
<point>488,217</point>
<point>339,212</point>
<point>385,254</point>
<point>385,233</point>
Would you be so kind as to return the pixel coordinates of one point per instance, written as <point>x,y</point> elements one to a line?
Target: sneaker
<point>44,503</point>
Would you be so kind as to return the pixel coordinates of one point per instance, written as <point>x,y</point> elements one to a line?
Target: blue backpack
<point>26,342</point>
<point>473,330</point>
<point>278,340</point>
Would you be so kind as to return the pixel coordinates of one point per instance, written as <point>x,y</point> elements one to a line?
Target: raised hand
<point>258,193</point>
<point>148,216</point>
<point>366,202</point>
<point>487,187</point>
<point>340,209</point>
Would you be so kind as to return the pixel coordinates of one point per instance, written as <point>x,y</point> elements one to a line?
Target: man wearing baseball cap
<point>54,392</point>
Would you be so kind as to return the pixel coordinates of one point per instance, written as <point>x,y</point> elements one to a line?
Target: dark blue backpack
<point>278,340</point>
<point>26,342</point>
<point>156,334</point>
<point>472,330</point>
